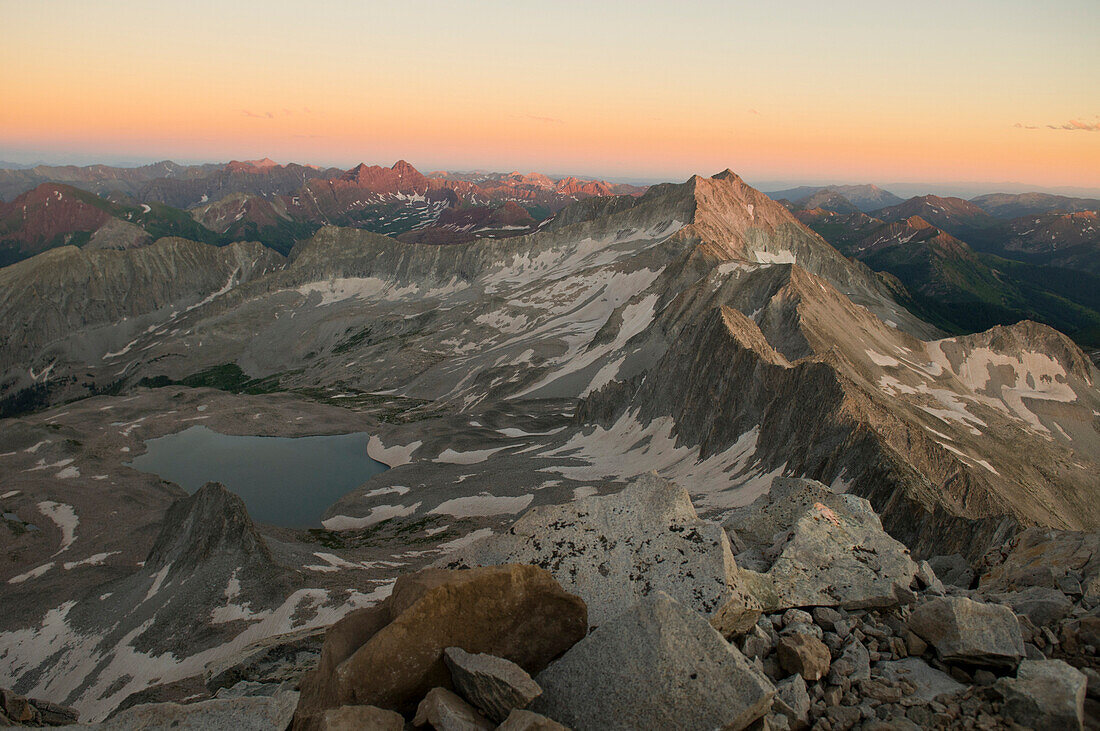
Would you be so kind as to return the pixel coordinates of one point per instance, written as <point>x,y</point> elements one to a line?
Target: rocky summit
<point>654,458</point>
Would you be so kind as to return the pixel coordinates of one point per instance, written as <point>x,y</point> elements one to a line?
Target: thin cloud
<point>1073,125</point>
<point>272,115</point>
<point>754,111</point>
<point>547,120</point>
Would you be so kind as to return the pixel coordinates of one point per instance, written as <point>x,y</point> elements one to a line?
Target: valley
<point>699,330</point>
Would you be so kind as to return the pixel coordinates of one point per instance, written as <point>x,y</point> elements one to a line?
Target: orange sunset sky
<point>969,90</point>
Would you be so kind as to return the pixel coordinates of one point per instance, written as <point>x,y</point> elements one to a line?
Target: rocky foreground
<point>628,611</point>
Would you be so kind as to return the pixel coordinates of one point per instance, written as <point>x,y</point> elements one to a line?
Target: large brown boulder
<point>391,655</point>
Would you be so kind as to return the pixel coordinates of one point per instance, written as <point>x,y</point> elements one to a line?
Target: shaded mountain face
<point>997,280</point>
<point>1015,205</point>
<point>829,200</point>
<point>54,215</point>
<point>958,217</point>
<point>698,330</point>
<point>865,198</point>
<point>1064,240</point>
<point>244,217</point>
<point>69,291</point>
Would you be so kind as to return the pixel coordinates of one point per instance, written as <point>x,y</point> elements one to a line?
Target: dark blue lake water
<point>283,481</point>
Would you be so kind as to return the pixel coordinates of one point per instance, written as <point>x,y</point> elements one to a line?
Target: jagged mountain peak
<point>212,523</point>
<point>728,174</point>
<point>402,168</point>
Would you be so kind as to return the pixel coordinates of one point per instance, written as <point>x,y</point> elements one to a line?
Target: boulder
<point>357,718</point>
<point>521,720</point>
<point>927,681</point>
<point>657,665</point>
<point>954,570</point>
<point>17,708</point>
<point>792,700</point>
<point>495,685</point>
<point>1045,694</point>
<point>259,712</point>
<point>1055,559</point>
<point>445,711</point>
<point>963,630</point>
<point>821,548</point>
<point>854,662</point>
<point>612,550</point>
<point>391,655</point>
<point>803,654</point>
<point>1041,605</point>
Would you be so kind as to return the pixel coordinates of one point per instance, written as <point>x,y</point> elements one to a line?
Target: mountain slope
<point>956,216</point>
<point>950,284</point>
<point>865,197</point>
<point>698,330</point>
<point>1064,240</point>
<point>54,215</point>
<point>108,298</point>
<point>1015,205</point>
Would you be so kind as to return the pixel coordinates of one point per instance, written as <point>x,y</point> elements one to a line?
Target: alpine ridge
<point>699,330</point>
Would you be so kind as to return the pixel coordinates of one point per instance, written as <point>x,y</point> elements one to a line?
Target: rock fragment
<point>804,654</point>
<point>1045,694</point>
<point>657,665</point>
<point>963,630</point>
<point>445,711</point>
<point>495,685</point>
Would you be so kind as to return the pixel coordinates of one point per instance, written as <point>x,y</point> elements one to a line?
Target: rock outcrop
<point>613,550</point>
<point>17,710</point>
<point>819,548</point>
<point>657,665</point>
<point>392,654</point>
<point>1068,561</point>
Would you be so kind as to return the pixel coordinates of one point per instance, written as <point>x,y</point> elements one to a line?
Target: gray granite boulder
<point>963,630</point>
<point>493,684</point>
<point>612,550</point>
<point>792,699</point>
<point>819,548</point>
<point>1045,694</point>
<point>927,681</point>
<point>657,665</point>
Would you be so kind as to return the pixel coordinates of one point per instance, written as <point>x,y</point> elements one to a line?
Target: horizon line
<point>762,183</point>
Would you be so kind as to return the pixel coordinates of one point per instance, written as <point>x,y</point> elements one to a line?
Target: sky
<point>841,91</point>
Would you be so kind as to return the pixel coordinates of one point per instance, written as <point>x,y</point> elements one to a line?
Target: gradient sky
<point>991,90</point>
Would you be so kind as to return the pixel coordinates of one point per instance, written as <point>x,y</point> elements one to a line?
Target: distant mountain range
<point>966,268</point>
<point>260,200</point>
<point>963,265</point>
<point>863,197</point>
